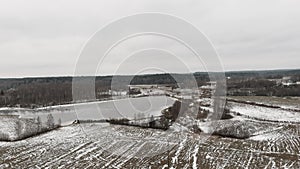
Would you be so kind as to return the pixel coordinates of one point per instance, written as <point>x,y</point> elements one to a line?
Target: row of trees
<point>31,92</point>
<point>31,127</point>
<point>37,94</point>
<point>261,87</point>
<point>159,123</point>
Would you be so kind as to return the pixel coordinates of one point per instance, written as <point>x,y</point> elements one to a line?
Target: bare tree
<point>39,124</point>
<point>59,122</point>
<point>18,128</point>
<point>50,122</point>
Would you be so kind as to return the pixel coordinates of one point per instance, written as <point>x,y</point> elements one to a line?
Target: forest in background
<point>46,91</point>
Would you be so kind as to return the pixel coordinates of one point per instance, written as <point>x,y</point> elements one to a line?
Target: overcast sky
<point>44,38</point>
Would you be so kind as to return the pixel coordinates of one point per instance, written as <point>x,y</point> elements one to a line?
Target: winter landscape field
<point>111,146</point>
<point>143,84</point>
<point>255,136</point>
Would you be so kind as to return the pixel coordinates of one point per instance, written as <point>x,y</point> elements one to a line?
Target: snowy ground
<point>272,145</point>
<point>265,113</point>
<point>108,146</point>
<point>283,102</point>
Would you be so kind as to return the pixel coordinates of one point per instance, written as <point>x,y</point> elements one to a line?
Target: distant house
<point>285,81</point>
<point>277,81</point>
<point>151,89</point>
<point>286,78</point>
<point>151,86</point>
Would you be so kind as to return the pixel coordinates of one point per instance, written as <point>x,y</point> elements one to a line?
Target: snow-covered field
<point>273,142</point>
<point>265,113</point>
<point>112,146</point>
<point>283,102</point>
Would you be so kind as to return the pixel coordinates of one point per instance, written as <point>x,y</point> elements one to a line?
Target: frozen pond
<point>123,108</point>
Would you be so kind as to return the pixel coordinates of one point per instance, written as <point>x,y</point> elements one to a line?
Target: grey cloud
<point>43,36</point>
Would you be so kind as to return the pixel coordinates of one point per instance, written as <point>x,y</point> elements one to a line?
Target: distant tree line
<point>169,115</point>
<point>260,87</point>
<point>33,92</point>
<point>36,92</point>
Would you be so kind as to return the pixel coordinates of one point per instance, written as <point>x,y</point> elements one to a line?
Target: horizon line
<point>71,76</point>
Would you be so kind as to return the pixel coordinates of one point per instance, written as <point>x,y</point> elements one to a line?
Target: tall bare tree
<point>50,122</point>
